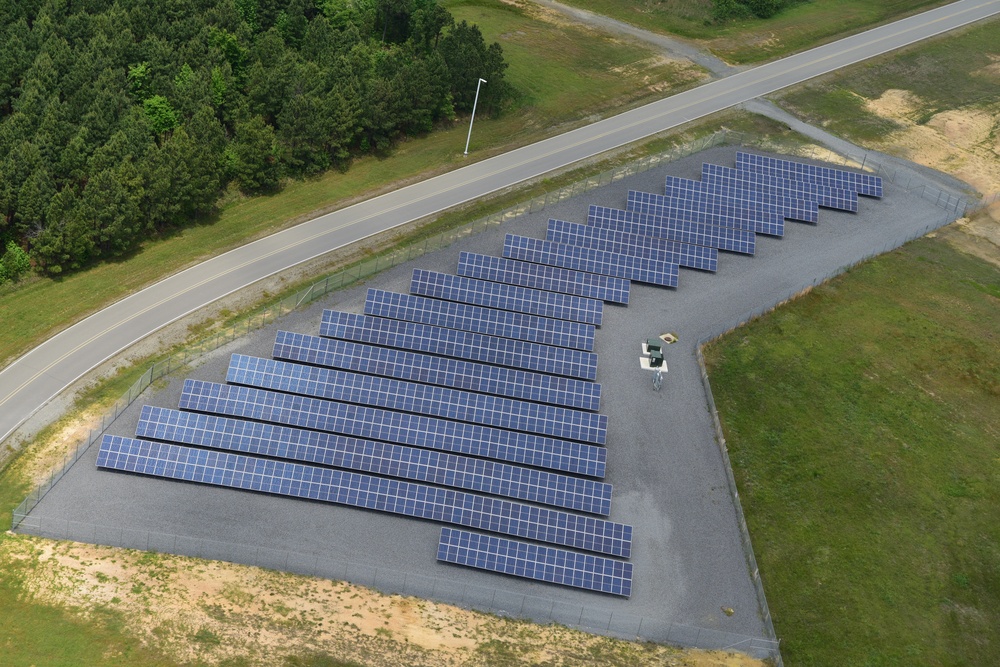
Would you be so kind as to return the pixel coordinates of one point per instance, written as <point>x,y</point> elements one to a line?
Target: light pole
<point>472,120</point>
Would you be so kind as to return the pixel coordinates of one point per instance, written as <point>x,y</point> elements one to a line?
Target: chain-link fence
<point>617,624</point>
<point>483,598</point>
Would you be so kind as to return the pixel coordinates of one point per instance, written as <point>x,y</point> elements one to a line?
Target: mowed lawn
<point>863,422</point>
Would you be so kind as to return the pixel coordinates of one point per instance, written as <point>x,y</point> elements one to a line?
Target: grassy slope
<point>542,57</point>
<point>795,29</point>
<point>946,73</point>
<point>862,424</point>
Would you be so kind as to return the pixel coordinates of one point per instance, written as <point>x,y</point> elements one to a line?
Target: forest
<point>123,120</point>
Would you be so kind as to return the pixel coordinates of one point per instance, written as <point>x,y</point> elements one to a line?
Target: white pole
<point>471,120</point>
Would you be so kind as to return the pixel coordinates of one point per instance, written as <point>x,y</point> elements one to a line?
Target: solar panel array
<point>708,212</point>
<point>423,465</point>
<point>541,276</point>
<point>400,395</point>
<point>506,297</point>
<point>459,344</point>
<point>399,363</point>
<point>360,490</point>
<point>863,184</point>
<point>398,427</point>
<point>844,200</point>
<point>744,197</point>
<point>695,233</point>
<point>533,561</point>
<point>588,259</point>
<point>477,319</point>
<point>682,254</point>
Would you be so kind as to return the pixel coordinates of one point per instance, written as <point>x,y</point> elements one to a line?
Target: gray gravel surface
<point>668,476</point>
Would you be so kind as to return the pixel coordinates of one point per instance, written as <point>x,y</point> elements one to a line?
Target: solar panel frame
<point>739,196</point>
<point>706,212</point>
<point>864,184</point>
<point>460,344</point>
<point>515,298</point>
<point>722,238</point>
<point>534,561</point>
<point>398,427</point>
<point>543,276</point>
<point>489,321</point>
<point>375,457</point>
<point>827,197</point>
<point>424,399</point>
<point>611,240</point>
<point>431,369</point>
<point>354,489</point>
<point>579,258</point>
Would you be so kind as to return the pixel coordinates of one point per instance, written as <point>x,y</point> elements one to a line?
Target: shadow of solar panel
<point>705,211</point>
<point>392,394</point>
<point>611,240</point>
<point>579,258</point>
<point>863,184</point>
<point>506,297</point>
<point>827,197</point>
<point>380,458</point>
<point>696,233</point>
<point>398,427</point>
<point>343,487</point>
<point>542,276</point>
<point>456,373</point>
<point>477,319</point>
<point>461,344</point>
<point>534,561</point>
<point>743,197</point>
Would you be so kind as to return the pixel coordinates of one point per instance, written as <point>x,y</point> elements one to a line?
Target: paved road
<point>37,377</point>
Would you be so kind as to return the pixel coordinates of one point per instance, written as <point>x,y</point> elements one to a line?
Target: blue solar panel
<point>506,297</point>
<point>630,222</point>
<point>456,373</point>
<point>459,344</point>
<point>705,211</point>
<point>399,427</point>
<point>827,197</point>
<point>418,398</point>
<point>477,319</point>
<point>533,561</point>
<point>743,197</point>
<point>649,247</point>
<point>380,458</point>
<point>541,276</point>
<point>358,490</point>
<point>588,259</point>
<point>863,184</point>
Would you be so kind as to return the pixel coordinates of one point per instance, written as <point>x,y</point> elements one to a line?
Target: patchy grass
<point>862,426</point>
<point>950,72</point>
<point>800,27</point>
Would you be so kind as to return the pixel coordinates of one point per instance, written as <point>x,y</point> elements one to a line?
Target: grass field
<point>946,73</point>
<point>800,27</point>
<point>862,426</point>
<point>559,84</point>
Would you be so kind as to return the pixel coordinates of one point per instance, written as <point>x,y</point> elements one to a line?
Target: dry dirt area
<point>196,610</point>
<point>962,142</point>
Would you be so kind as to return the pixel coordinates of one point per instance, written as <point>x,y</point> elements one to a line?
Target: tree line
<point>726,10</point>
<point>120,120</point>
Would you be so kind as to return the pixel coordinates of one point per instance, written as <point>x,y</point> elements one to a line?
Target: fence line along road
<point>36,378</point>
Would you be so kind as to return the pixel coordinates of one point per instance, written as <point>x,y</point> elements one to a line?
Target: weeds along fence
<point>482,598</point>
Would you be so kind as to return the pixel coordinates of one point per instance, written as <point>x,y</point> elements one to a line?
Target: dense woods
<point>119,120</point>
<point>724,10</point>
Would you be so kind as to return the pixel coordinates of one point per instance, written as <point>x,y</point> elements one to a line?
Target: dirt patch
<point>993,69</point>
<point>207,611</point>
<point>895,104</point>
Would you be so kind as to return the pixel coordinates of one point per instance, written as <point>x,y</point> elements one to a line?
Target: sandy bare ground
<point>197,610</point>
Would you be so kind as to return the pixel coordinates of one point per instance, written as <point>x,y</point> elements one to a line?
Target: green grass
<point>862,426</point>
<point>946,73</point>
<point>540,59</point>
<point>800,27</point>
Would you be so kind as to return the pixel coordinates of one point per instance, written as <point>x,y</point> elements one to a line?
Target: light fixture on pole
<point>471,120</point>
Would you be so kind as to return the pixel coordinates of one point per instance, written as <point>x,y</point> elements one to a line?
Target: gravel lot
<point>668,476</point>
